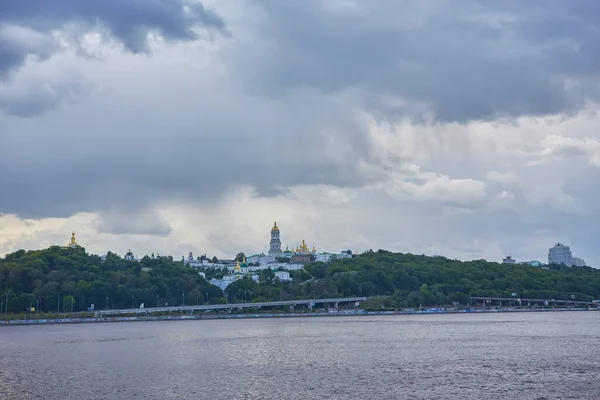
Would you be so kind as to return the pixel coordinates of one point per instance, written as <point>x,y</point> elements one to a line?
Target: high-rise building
<point>275,244</point>
<point>560,254</point>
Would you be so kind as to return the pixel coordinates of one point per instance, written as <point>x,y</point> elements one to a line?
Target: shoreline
<point>200,317</point>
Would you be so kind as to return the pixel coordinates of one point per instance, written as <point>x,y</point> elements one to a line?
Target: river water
<point>486,356</point>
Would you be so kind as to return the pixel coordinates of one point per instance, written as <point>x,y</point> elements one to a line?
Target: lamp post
<point>157,301</point>
<point>58,304</point>
<point>183,297</point>
<point>206,293</point>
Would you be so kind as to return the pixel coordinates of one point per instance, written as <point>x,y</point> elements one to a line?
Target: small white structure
<point>323,257</point>
<point>508,260</point>
<point>202,274</point>
<point>240,271</point>
<point>344,254</point>
<point>129,256</point>
<point>283,276</point>
<point>578,262</point>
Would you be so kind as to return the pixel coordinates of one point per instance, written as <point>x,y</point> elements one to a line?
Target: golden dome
<point>275,228</point>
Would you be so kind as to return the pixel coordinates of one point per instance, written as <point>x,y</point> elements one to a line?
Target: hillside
<point>38,278</point>
<point>415,279</point>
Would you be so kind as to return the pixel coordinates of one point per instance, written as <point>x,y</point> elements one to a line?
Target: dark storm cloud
<point>466,60</point>
<point>110,158</point>
<point>128,20</point>
<point>184,138</point>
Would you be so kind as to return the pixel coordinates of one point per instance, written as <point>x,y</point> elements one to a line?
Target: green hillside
<point>78,279</point>
<point>415,279</point>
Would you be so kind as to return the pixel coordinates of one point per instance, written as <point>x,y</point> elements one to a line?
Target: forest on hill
<point>71,279</point>
<point>412,280</point>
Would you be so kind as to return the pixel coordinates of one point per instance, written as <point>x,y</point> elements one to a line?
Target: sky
<point>465,129</point>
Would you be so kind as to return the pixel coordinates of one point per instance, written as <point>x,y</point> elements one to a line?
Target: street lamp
<point>183,296</point>
<point>206,293</point>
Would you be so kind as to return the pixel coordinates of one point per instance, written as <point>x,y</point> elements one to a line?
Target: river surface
<point>489,356</point>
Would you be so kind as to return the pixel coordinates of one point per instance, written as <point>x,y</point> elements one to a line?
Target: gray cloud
<point>132,222</point>
<point>470,60</point>
<point>128,20</point>
<point>276,107</point>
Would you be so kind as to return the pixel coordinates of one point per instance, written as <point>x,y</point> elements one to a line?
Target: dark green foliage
<point>73,278</point>
<point>408,281</point>
<point>415,280</point>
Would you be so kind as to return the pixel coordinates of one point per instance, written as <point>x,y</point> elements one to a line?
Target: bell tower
<point>275,244</point>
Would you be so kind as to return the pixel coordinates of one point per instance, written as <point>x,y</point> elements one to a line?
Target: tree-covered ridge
<point>79,279</point>
<point>75,280</point>
<point>418,279</point>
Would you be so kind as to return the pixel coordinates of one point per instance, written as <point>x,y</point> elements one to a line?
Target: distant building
<point>578,262</point>
<point>508,260</point>
<point>283,276</point>
<point>129,256</point>
<point>534,263</point>
<point>275,244</point>
<point>344,254</point>
<point>560,254</point>
<point>240,271</point>
<point>324,257</point>
<point>73,241</point>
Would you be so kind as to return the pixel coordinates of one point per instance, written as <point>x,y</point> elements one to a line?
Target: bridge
<point>229,306</point>
<point>521,300</point>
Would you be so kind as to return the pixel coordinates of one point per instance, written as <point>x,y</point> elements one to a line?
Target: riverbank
<point>342,313</point>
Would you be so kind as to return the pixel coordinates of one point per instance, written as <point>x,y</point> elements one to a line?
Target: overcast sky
<point>465,128</point>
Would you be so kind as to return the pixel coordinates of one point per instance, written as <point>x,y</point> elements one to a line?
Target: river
<point>485,356</point>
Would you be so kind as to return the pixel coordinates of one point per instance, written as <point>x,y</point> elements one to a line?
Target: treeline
<point>69,279</point>
<point>412,280</point>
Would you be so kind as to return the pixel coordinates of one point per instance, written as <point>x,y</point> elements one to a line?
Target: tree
<point>215,260</point>
<point>240,257</point>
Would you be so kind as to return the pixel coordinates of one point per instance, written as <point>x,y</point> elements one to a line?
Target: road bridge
<point>230,306</point>
<point>521,300</point>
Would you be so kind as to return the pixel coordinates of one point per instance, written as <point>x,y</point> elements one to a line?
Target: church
<point>301,254</point>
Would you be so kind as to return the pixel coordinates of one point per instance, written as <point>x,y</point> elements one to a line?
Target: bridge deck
<point>229,306</point>
<point>531,300</point>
